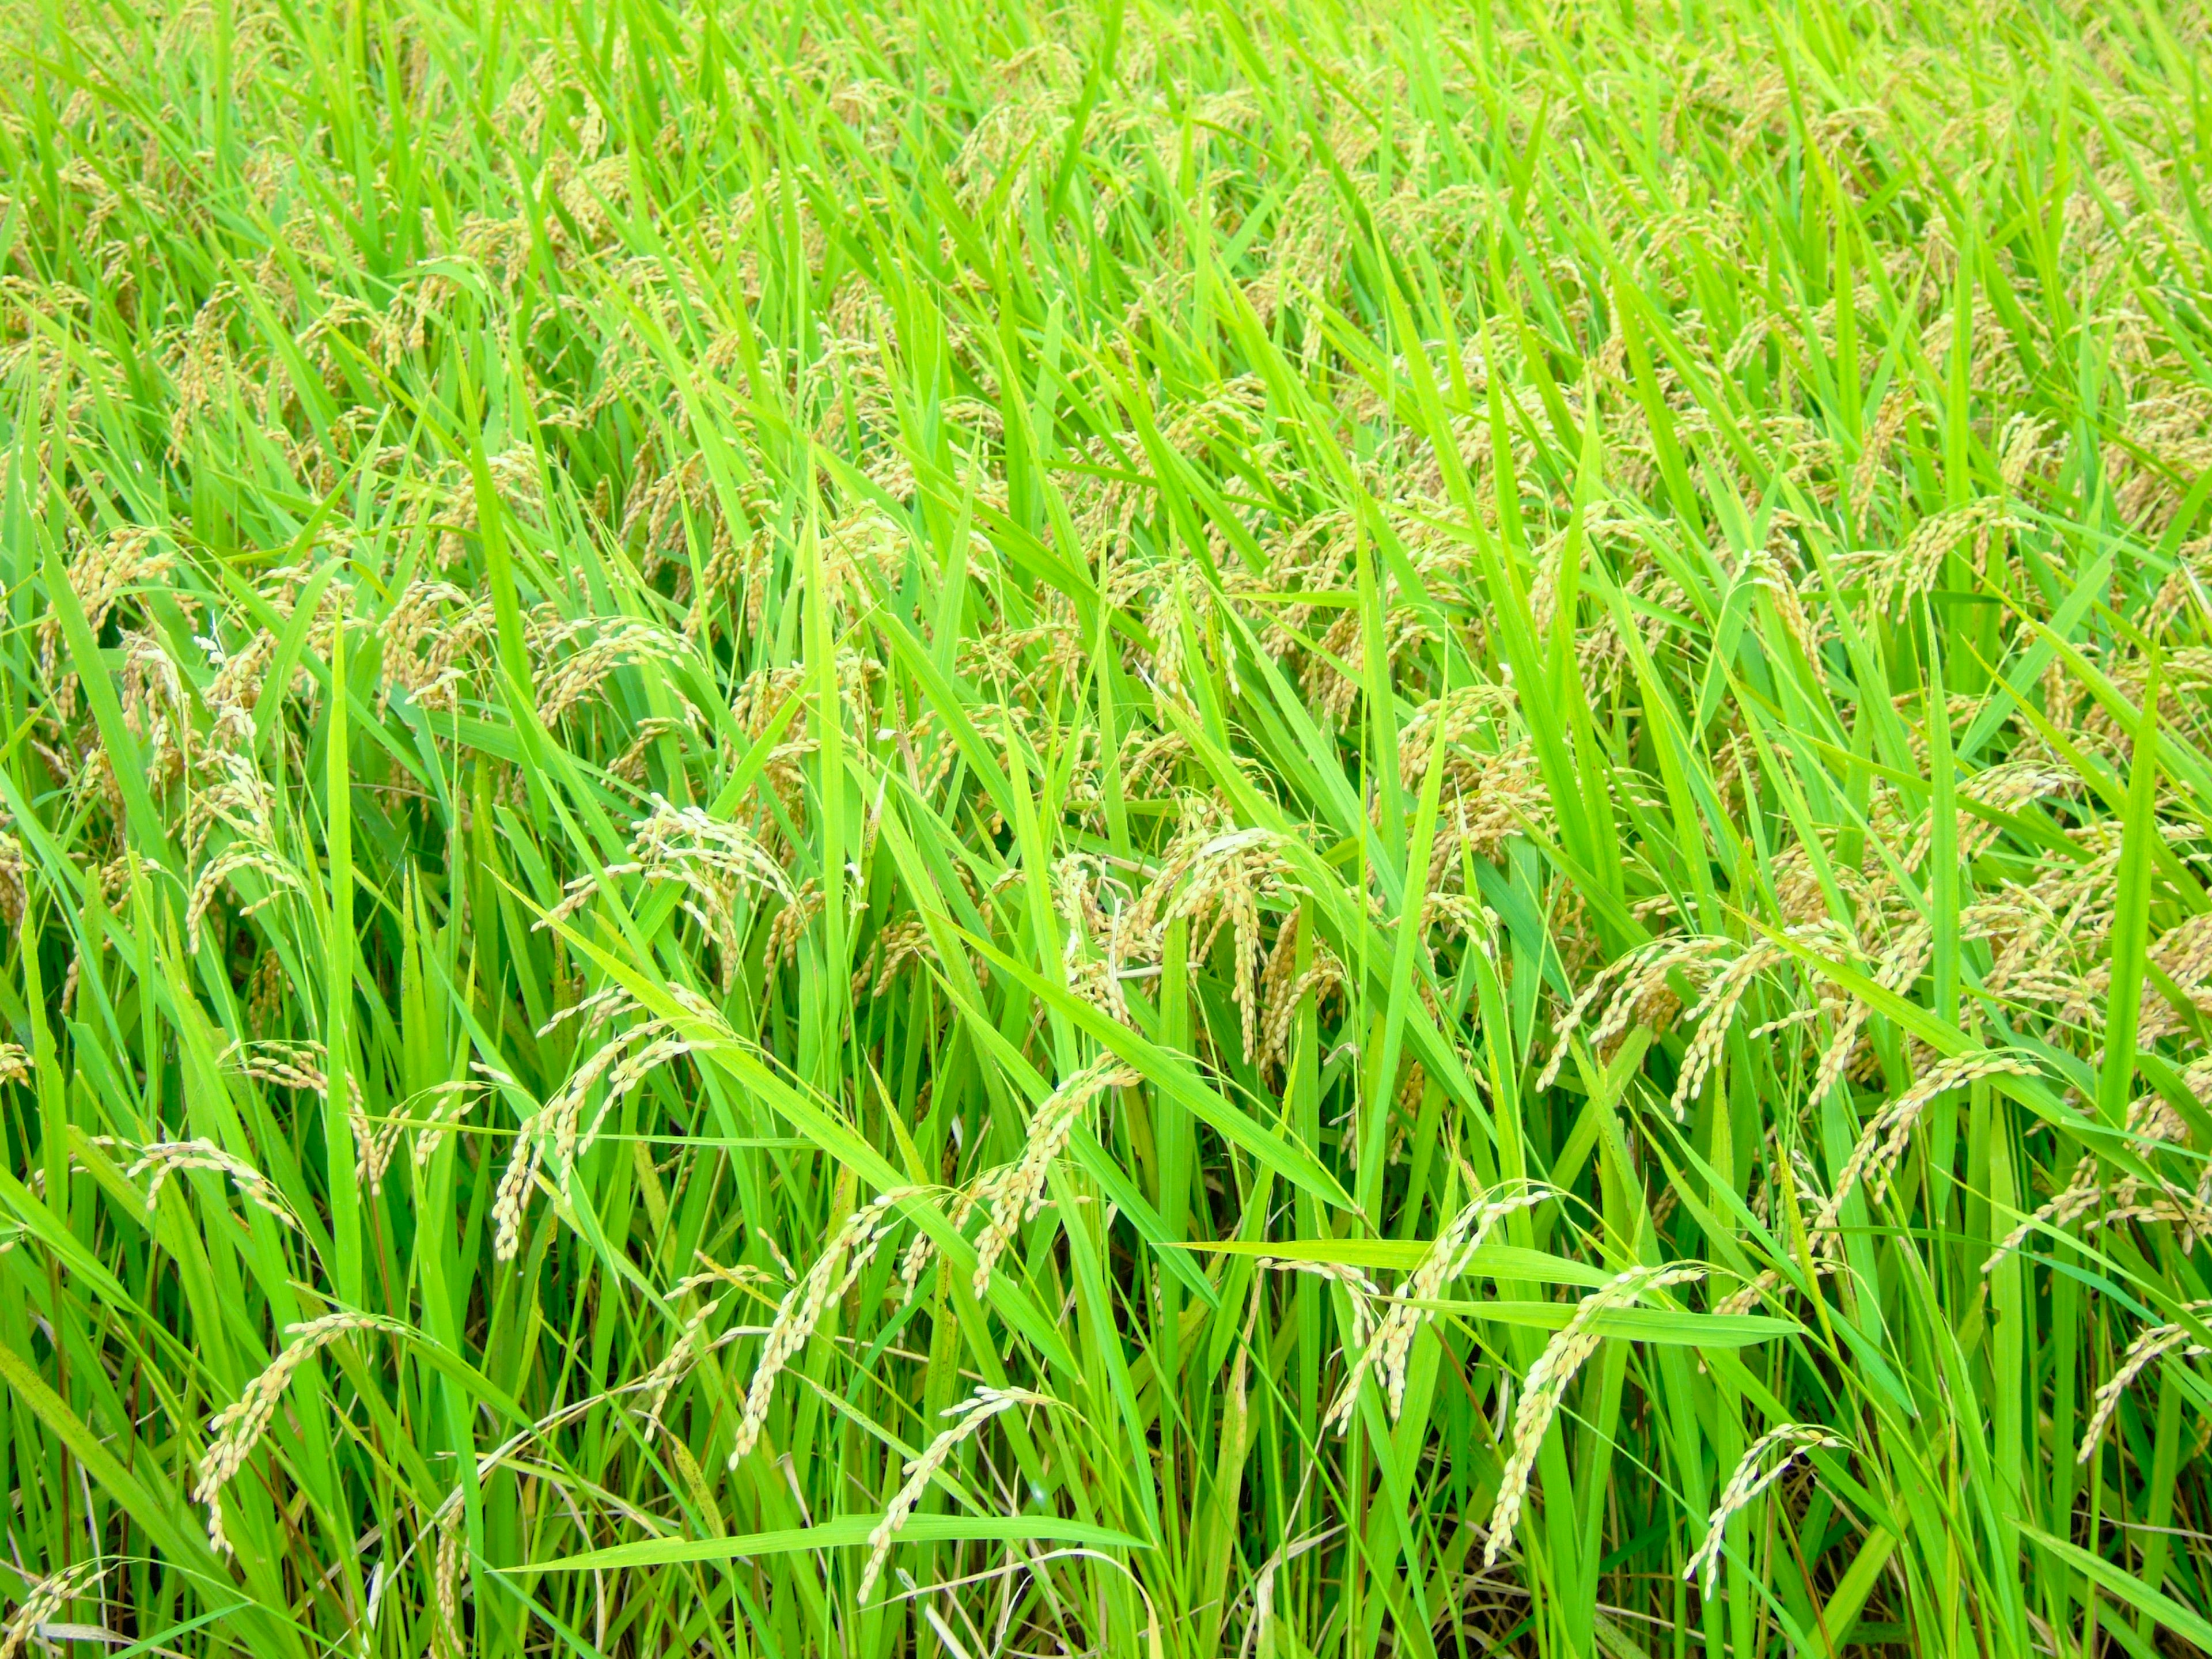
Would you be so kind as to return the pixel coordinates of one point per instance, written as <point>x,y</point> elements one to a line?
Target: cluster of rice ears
<point>949,828</point>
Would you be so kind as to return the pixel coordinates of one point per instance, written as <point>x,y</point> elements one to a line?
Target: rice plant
<point>924,827</point>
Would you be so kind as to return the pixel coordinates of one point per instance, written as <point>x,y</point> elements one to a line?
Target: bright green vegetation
<point>1393,765</point>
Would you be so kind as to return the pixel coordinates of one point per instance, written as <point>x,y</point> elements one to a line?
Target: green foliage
<point>938,828</point>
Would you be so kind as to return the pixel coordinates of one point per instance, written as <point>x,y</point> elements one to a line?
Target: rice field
<point>914,826</point>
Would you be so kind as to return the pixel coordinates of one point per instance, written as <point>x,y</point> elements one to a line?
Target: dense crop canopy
<point>930,827</point>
